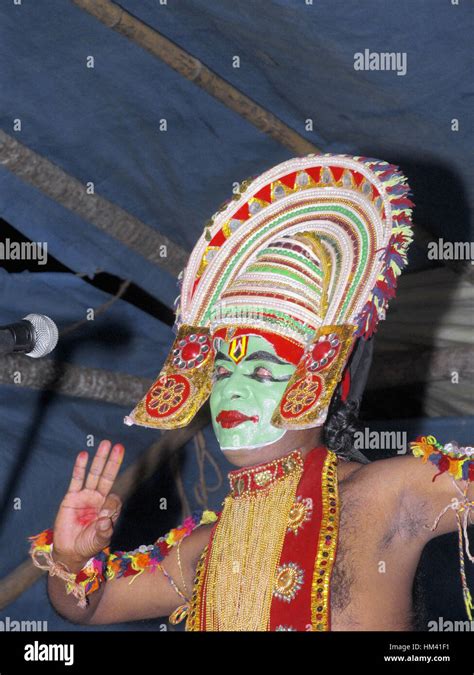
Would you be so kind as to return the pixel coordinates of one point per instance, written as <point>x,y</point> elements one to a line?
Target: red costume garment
<point>300,598</point>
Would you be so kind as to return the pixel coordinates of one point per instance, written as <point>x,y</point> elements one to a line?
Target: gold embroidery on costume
<point>300,513</point>
<point>326,545</point>
<point>193,621</point>
<point>263,478</point>
<point>288,581</point>
<point>247,546</point>
<point>312,384</point>
<point>183,385</point>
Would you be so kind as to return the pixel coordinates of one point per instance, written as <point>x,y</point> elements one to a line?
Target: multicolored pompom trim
<point>124,563</point>
<point>457,461</point>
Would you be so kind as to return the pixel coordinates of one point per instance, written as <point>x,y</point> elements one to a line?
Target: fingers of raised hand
<point>98,464</point>
<point>103,471</point>
<point>78,472</point>
<point>111,469</point>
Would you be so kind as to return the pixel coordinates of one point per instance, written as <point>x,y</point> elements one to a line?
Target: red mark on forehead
<point>238,348</point>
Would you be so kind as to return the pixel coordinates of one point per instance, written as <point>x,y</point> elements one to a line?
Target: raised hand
<point>87,514</point>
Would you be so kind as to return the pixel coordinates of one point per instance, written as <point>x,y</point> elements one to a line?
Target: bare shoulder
<point>412,487</point>
<point>379,483</point>
<point>400,472</point>
<point>403,475</point>
<point>365,486</point>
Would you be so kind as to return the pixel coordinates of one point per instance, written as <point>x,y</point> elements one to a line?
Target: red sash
<point>301,597</point>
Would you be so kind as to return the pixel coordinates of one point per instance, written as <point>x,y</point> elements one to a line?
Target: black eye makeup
<point>220,375</point>
<point>260,373</point>
<point>265,376</point>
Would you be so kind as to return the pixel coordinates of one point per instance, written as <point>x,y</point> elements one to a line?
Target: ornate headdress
<point>306,255</point>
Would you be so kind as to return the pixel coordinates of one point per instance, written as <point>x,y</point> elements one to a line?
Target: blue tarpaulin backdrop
<point>102,124</point>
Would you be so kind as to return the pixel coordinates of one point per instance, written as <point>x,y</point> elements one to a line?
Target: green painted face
<point>245,394</point>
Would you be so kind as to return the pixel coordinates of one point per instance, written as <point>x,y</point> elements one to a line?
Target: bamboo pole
<point>420,366</point>
<point>106,216</point>
<point>115,17</point>
<point>192,69</point>
<point>96,384</point>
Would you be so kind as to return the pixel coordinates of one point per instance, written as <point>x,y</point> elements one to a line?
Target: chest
<point>355,550</point>
<point>270,557</point>
<point>376,560</point>
<point>331,565</point>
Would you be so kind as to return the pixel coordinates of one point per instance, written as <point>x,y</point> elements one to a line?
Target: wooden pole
<point>154,42</point>
<point>403,367</point>
<point>96,384</point>
<point>194,70</point>
<point>420,366</point>
<point>106,216</point>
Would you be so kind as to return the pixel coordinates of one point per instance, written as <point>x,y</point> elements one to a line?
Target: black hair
<point>343,421</point>
<point>340,427</point>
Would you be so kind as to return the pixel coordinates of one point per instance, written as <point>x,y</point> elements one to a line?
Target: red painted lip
<point>231,418</point>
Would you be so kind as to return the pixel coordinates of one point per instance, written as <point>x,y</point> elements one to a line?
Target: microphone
<point>35,335</point>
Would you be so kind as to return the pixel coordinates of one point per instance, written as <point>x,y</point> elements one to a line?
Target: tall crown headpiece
<point>306,255</point>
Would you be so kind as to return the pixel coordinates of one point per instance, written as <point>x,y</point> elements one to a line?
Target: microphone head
<point>46,334</point>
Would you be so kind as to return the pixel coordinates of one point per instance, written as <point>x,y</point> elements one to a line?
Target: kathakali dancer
<point>279,301</point>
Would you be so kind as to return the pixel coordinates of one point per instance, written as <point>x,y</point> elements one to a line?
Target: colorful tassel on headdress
<point>394,256</point>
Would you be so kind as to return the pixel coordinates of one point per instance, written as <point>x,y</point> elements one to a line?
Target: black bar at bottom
<point>136,652</point>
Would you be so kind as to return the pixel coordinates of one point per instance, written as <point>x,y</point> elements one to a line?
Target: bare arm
<point>66,605</point>
<point>410,481</point>
<point>151,595</point>
<point>84,526</point>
